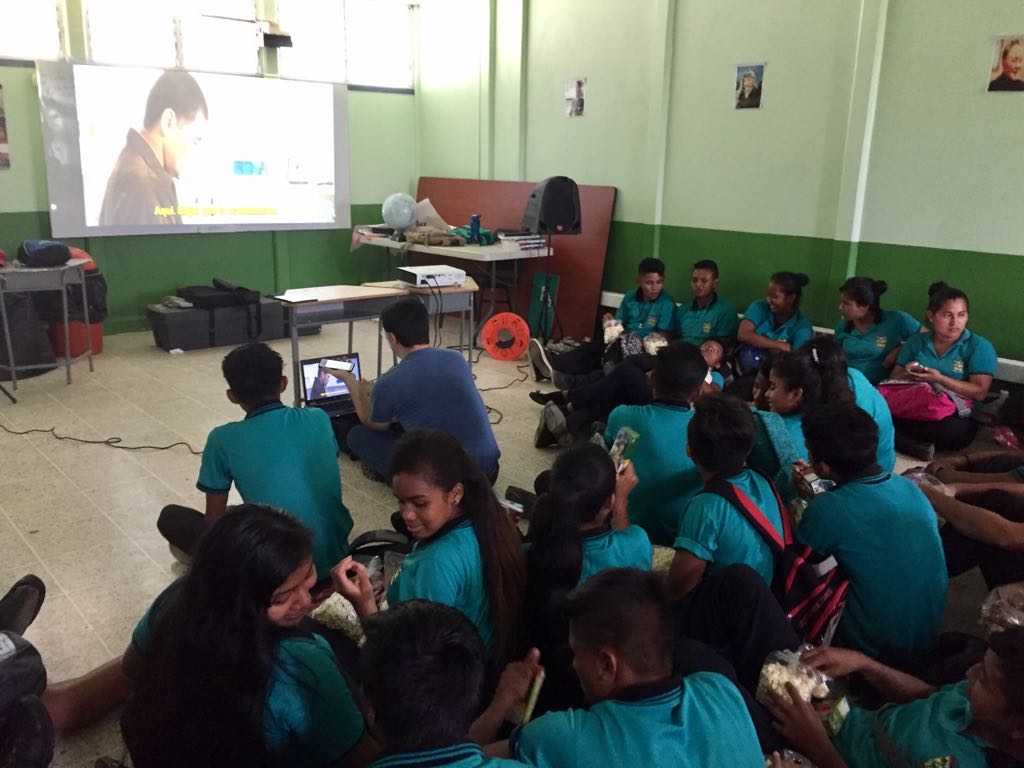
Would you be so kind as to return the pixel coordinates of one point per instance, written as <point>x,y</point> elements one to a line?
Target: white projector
<point>434,276</point>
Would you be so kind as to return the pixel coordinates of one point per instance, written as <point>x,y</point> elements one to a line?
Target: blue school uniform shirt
<point>925,730</point>
<point>645,317</point>
<point>795,428</point>
<point>434,389</point>
<point>310,717</point>
<point>883,532</point>
<point>625,548</point>
<point>971,354</point>
<point>865,350</point>
<point>667,477</point>
<point>700,722</point>
<point>447,568</point>
<point>715,531</point>
<point>287,458</point>
<point>465,755</point>
<point>796,330</point>
<point>869,399</point>
<point>718,320</point>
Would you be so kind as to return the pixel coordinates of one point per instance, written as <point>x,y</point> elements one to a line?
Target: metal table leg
<point>7,335</point>
<point>88,325</point>
<point>67,328</point>
<point>296,372</point>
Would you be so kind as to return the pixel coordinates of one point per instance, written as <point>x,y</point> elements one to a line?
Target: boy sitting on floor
<point>280,456</point>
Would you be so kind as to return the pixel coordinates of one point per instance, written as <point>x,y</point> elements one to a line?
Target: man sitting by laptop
<point>430,388</point>
<point>281,456</point>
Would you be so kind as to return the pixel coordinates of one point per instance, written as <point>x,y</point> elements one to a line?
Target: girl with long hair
<point>467,553</point>
<point>225,677</point>
<point>579,527</point>
<point>870,336</point>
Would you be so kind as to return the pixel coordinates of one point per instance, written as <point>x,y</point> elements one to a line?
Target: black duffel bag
<point>224,294</point>
<point>43,253</point>
<point>48,302</point>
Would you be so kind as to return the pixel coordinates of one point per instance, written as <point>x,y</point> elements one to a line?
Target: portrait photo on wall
<point>1007,72</point>
<point>749,85</point>
<point>575,96</point>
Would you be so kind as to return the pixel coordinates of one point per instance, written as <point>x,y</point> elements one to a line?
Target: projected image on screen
<point>163,151</point>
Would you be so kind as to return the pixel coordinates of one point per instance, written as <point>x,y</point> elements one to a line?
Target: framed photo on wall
<point>750,85</point>
<point>1007,71</point>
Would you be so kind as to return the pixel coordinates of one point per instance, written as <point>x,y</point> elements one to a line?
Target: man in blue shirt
<point>882,531</point>
<point>423,673</point>
<point>649,308</point>
<point>280,456</point>
<point>712,532</point>
<point>430,388</point>
<point>708,316</point>
<point>622,637</point>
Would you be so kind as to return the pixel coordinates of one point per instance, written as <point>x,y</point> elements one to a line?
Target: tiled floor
<point>83,517</point>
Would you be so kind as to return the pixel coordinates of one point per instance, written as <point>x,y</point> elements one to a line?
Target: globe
<point>397,211</point>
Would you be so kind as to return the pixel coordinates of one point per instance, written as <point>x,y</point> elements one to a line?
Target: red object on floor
<point>78,342</point>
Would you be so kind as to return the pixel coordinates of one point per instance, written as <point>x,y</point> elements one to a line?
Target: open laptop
<point>328,393</point>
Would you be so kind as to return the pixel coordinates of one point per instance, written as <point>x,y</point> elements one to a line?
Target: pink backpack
<point>918,401</point>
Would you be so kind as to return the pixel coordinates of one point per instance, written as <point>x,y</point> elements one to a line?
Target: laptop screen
<point>318,386</point>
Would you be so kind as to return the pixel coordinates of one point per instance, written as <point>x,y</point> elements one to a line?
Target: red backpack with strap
<point>809,586</point>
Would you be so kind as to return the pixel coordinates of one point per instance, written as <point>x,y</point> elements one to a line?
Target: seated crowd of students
<point>641,667</point>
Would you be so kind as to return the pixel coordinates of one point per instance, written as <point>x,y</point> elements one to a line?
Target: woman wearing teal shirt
<point>951,727</point>
<point>952,357</point>
<point>870,336</point>
<point>772,324</point>
<point>467,552</point>
<point>577,529</point>
<point>224,676</point>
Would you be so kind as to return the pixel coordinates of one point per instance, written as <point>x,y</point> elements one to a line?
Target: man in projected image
<point>141,189</point>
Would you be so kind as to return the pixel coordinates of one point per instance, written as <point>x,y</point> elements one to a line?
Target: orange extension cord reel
<point>505,336</point>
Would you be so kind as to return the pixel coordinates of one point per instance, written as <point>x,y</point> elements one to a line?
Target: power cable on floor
<point>110,442</point>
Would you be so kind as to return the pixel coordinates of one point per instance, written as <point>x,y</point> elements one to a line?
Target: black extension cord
<point>110,442</point>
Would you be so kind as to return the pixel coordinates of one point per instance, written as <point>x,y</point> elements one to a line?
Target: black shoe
<point>21,604</point>
<point>543,398</point>
<point>539,359</point>
<point>371,474</point>
<point>26,738</point>
<point>922,451</point>
<point>557,424</point>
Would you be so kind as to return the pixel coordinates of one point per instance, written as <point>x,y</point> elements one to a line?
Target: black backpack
<point>26,731</point>
<point>809,586</point>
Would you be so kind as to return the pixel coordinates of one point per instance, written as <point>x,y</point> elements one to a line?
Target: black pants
<point>998,566</point>
<point>951,434</point>
<point>742,387</point>
<point>584,359</point>
<point>181,526</point>
<point>625,385</point>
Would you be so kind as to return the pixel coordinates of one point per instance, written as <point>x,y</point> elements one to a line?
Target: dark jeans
<point>998,566</point>
<point>626,384</point>
<point>953,433</point>
<point>374,448</point>
<point>742,387</point>
<point>181,526</point>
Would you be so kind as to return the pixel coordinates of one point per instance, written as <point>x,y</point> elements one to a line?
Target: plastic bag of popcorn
<point>1004,607</point>
<point>783,667</point>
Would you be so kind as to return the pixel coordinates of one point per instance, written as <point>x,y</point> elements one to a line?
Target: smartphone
<point>916,367</point>
<point>341,365</point>
<point>623,445</point>
<point>531,697</point>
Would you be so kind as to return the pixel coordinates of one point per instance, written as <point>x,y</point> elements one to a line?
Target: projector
<point>434,276</point>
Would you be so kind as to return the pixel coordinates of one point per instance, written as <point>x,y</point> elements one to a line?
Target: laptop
<point>328,393</point>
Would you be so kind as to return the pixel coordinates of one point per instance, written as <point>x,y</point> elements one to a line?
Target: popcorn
<point>654,342</point>
<point>337,613</point>
<point>612,330</point>
<point>662,559</point>
<point>784,667</point>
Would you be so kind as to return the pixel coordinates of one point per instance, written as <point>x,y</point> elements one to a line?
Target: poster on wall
<point>1007,71</point>
<point>750,85</point>
<point>575,96</point>
<point>5,154</point>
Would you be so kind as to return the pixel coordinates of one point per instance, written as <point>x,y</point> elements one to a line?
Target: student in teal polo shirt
<point>668,478</point>
<point>870,336</point>
<point>649,308</point>
<point>952,357</point>
<point>882,531</point>
<point>772,324</point>
<point>579,527</point>
<point>832,364</point>
<point>708,315</point>
<point>712,532</point>
<point>423,669</point>
<point>622,637</point>
<point>281,456</point>
<point>957,726</point>
<point>467,553</point>
<point>221,669</point>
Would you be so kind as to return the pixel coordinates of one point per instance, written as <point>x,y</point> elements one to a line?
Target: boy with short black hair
<point>708,315</point>
<point>668,477</point>
<point>649,308</point>
<point>281,456</point>
<point>423,673</point>
<point>881,529</point>
<point>712,533</point>
<point>622,634</point>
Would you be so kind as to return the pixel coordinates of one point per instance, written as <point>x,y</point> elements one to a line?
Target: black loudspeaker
<point>553,208</point>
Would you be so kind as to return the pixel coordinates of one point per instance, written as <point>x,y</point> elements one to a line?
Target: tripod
<point>10,397</point>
